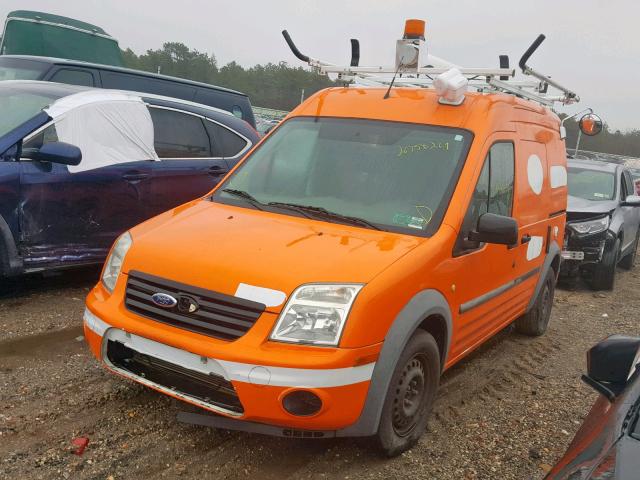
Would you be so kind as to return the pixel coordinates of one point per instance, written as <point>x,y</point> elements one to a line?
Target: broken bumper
<point>249,395</point>
<point>583,250</point>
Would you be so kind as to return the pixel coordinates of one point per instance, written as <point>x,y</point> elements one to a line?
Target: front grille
<point>212,389</point>
<point>217,315</point>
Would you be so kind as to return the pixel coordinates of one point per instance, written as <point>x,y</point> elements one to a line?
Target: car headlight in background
<point>114,262</point>
<point>590,226</point>
<point>315,314</point>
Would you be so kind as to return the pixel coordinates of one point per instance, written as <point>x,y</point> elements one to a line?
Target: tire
<point>535,322</point>
<point>604,274</point>
<point>411,394</point>
<point>629,259</point>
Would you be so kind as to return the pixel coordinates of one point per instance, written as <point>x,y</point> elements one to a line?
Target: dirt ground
<point>508,411</point>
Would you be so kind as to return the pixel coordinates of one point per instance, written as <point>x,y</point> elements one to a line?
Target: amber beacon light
<point>414,28</point>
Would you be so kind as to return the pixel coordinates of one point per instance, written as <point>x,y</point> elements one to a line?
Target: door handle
<point>526,238</point>
<point>217,170</point>
<point>135,177</point>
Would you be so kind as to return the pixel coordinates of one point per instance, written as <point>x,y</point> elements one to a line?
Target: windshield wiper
<point>321,211</point>
<point>246,195</point>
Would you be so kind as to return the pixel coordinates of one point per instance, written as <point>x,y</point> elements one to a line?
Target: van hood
<point>219,247</point>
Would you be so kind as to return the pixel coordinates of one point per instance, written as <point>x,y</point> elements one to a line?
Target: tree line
<point>279,86</point>
<point>272,85</point>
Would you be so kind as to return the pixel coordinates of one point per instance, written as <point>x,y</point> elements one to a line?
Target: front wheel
<point>410,397</point>
<point>604,274</point>
<point>630,259</point>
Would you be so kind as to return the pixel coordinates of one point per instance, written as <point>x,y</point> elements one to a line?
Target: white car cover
<point>109,127</point>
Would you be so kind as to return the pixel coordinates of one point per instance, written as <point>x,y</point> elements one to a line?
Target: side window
<point>231,143</point>
<point>73,77</point>
<point>47,135</point>
<point>179,135</point>
<point>493,192</point>
<point>623,187</point>
<point>501,174</point>
<point>629,183</point>
<point>142,83</point>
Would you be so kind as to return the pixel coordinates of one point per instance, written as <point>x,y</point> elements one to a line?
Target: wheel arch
<point>10,261</point>
<point>427,310</point>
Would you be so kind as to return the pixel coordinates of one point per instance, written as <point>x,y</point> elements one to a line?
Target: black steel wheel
<point>410,395</point>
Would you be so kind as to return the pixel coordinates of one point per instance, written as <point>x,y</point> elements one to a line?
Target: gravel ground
<point>506,412</point>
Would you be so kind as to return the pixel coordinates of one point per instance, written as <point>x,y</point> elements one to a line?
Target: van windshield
<point>376,174</point>
<point>591,185</point>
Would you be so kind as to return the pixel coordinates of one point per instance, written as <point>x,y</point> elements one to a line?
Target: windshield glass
<point>591,184</point>
<point>19,69</point>
<point>388,175</point>
<point>19,104</point>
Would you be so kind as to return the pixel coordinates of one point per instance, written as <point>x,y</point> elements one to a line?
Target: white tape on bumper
<point>233,371</point>
<point>95,324</point>
<point>300,377</point>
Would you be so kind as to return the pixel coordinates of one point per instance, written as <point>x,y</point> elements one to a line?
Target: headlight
<point>591,226</point>
<point>315,314</point>
<point>114,262</point>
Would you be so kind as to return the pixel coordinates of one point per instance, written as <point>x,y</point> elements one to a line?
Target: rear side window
<point>73,77</point>
<point>232,144</point>
<point>179,135</point>
<point>139,83</point>
<point>493,192</point>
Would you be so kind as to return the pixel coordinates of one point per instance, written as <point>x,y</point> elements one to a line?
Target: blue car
<point>79,166</point>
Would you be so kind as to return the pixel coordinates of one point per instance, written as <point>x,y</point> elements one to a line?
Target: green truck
<point>43,34</point>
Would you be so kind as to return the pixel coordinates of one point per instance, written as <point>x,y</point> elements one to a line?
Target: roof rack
<point>411,53</point>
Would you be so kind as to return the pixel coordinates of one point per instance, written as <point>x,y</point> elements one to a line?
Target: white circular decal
<point>535,174</point>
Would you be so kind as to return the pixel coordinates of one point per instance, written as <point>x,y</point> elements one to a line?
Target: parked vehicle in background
<point>372,240</point>
<point>603,222</point>
<point>635,175</point>
<point>607,446</point>
<point>79,166</point>
<point>43,34</point>
<point>13,67</point>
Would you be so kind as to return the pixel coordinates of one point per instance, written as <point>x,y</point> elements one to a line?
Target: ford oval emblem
<point>163,300</point>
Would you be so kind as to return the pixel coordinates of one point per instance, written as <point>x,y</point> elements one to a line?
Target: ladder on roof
<point>408,73</point>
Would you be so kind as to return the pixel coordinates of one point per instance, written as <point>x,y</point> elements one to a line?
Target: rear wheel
<point>629,259</point>
<point>535,322</point>
<point>604,273</point>
<point>410,396</point>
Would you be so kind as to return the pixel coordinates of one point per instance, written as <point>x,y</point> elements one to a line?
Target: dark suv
<point>602,222</point>
<point>76,72</point>
<point>79,166</point>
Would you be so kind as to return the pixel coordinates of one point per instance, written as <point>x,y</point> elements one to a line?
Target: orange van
<point>375,238</point>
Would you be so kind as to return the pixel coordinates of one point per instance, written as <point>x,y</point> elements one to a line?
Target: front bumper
<point>582,250</point>
<point>259,387</point>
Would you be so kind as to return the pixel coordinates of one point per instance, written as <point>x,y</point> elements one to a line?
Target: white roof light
<point>451,87</point>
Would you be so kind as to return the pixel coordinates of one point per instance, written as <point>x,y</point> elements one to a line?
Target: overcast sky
<point>592,46</point>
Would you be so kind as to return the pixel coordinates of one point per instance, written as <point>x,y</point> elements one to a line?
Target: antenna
<point>386,95</point>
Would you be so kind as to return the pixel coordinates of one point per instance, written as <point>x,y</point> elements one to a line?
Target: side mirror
<point>631,201</point>
<point>611,363</point>
<point>494,228</point>
<point>54,152</point>
<point>590,124</point>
